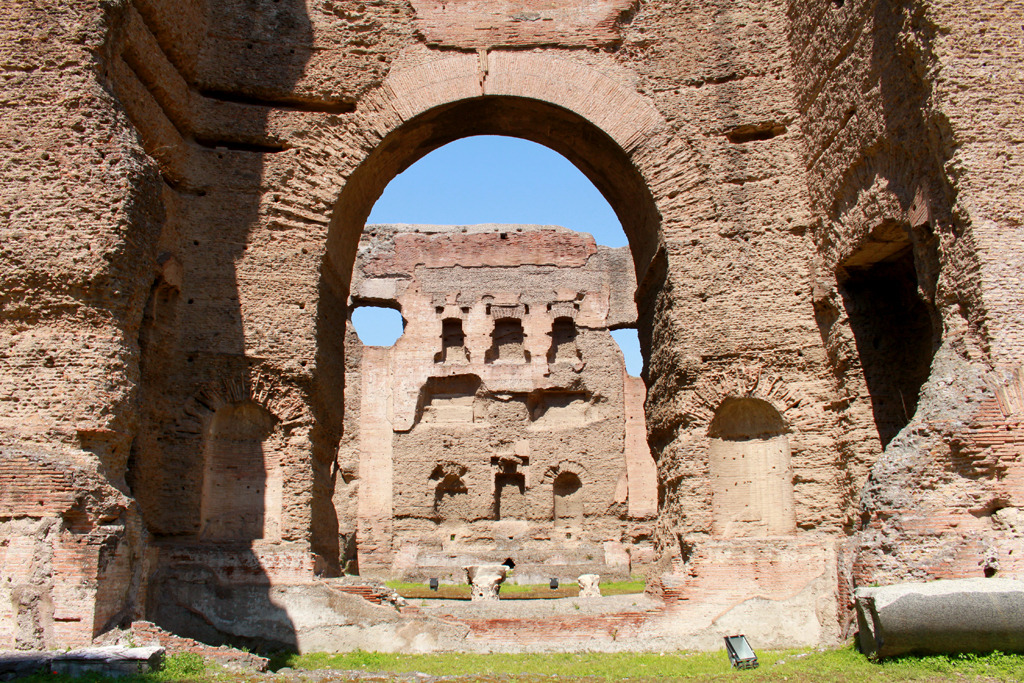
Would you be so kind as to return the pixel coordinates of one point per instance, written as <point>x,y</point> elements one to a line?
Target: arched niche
<point>563,347</point>
<point>508,341</point>
<point>509,495</point>
<point>567,492</point>
<point>235,474</point>
<point>453,343</point>
<point>451,499</point>
<point>751,474</point>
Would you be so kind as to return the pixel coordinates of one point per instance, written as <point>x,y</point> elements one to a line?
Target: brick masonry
<point>185,186</point>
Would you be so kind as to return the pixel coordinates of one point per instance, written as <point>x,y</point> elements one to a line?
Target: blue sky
<point>490,179</point>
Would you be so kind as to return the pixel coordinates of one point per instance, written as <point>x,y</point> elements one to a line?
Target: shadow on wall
<point>209,482</point>
<point>889,286</point>
<point>894,327</point>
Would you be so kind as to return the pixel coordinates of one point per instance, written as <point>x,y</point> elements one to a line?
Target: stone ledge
<point>107,661</point>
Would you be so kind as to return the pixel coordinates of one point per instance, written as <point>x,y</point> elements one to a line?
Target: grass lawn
<point>843,665</point>
<point>511,591</point>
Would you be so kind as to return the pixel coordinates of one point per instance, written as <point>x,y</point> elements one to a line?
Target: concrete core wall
<point>188,185</point>
<point>505,413</point>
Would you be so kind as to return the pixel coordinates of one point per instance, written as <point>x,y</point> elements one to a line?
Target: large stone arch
<point>591,114</point>
<point>596,120</point>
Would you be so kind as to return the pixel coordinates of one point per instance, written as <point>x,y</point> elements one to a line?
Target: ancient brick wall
<point>496,426</point>
<point>185,186</point>
<point>907,173</point>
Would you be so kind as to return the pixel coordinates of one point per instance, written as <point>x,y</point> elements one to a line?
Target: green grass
<point>844,664</point>
<point>511,591</point>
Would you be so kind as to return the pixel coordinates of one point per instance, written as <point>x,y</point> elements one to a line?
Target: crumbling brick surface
<point>184,191</point>
<point>495,428</point>
<point>145,633</point>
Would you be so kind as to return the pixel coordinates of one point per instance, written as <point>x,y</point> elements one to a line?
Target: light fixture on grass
<point>741,655</point>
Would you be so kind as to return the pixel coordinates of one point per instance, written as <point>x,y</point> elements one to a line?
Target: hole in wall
<point>377,326</point>
<point>754,133</point>
<point>892,325</point>
<point>453,343</point>
<point>629,344</point>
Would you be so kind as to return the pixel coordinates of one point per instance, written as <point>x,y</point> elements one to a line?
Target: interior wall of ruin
<point>498,427</point>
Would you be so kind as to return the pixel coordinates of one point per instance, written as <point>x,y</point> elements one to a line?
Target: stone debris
<point>486,581</point>
<point>110,660</point>
<point>146,633</point>
<point>590,585</point>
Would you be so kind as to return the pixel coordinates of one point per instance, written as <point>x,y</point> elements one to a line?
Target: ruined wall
<point>81,211</point>
<point>907,107</point>
<point>185,185</point>
<point>495,428</point>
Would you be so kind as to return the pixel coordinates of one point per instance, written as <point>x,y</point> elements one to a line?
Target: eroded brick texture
<point>496,427</point>
<point>822,205</point>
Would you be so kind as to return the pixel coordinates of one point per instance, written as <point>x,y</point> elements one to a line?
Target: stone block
<point>946,616</point>
<point>590,585</point>
<point>486,581</point>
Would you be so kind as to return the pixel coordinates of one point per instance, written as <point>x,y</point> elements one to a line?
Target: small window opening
<point>629,344</point>
<point>377,326</point>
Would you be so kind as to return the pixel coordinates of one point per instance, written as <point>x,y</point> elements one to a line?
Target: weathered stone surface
<point>501,425</point>
<point>590,585</point>
<point>822,205</point>
<point>148,634</point>
<point>946,616</point>
<point>485,580</point>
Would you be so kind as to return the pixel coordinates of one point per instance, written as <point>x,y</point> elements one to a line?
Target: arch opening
<point>595,153</point>
<point>585,145</point>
